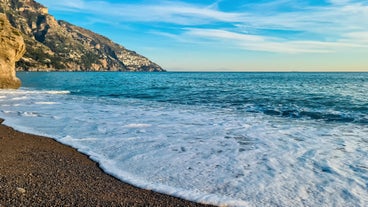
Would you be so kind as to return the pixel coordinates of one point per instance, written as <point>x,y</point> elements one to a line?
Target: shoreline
<point>39,171</point>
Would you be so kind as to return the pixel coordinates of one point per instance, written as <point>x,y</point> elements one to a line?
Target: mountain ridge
<point>56,45</point>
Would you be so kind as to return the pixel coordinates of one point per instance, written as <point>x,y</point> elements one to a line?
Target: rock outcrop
<point>60,46</point>
<point>12,49</point>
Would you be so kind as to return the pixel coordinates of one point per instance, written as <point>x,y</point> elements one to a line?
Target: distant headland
<point>53,45</point>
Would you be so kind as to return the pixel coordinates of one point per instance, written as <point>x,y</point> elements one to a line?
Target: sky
<point>231,35</point>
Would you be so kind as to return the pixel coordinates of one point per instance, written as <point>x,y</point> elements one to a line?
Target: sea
<point>223,138</point>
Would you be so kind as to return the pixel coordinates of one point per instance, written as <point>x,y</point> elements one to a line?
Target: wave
<point>57,92</point>
<point>25,91</point>
<point>318,115</point>
<point>46,103</point>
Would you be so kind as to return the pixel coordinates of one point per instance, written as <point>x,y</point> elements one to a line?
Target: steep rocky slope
<point>60,46</point>
<point>11,49</point>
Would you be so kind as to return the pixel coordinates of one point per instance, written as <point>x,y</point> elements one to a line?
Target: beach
<point>227,139</point>
<point>38,171</point>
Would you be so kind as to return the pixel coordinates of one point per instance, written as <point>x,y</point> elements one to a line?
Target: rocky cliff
<point>12,49</point>
<point>60,46</point>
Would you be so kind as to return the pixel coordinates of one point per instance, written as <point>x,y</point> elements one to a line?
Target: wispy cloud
<point>176,12</point>
<point>72,6</point>
<point>336,25</point>
<point>358,37</point>
<point>272,44</point>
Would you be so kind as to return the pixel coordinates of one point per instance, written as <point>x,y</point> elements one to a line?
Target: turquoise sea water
<point>241,139</point>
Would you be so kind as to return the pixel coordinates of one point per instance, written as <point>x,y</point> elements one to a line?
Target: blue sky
<point>231,35</point>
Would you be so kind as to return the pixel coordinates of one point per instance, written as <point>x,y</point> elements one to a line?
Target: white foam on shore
<point>206,155</point>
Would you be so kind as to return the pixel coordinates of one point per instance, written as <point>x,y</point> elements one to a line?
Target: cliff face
<point>12,49</point>
<point>60,46</point>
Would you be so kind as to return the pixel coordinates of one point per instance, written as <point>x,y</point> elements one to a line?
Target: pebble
<point>21,190</point>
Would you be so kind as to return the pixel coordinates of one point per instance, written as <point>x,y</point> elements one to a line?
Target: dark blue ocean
<point>238,139</point>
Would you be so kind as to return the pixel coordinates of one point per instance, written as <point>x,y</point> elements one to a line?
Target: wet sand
<point>38,171</point>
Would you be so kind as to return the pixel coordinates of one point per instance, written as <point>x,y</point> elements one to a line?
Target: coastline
<point>39,171</point>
